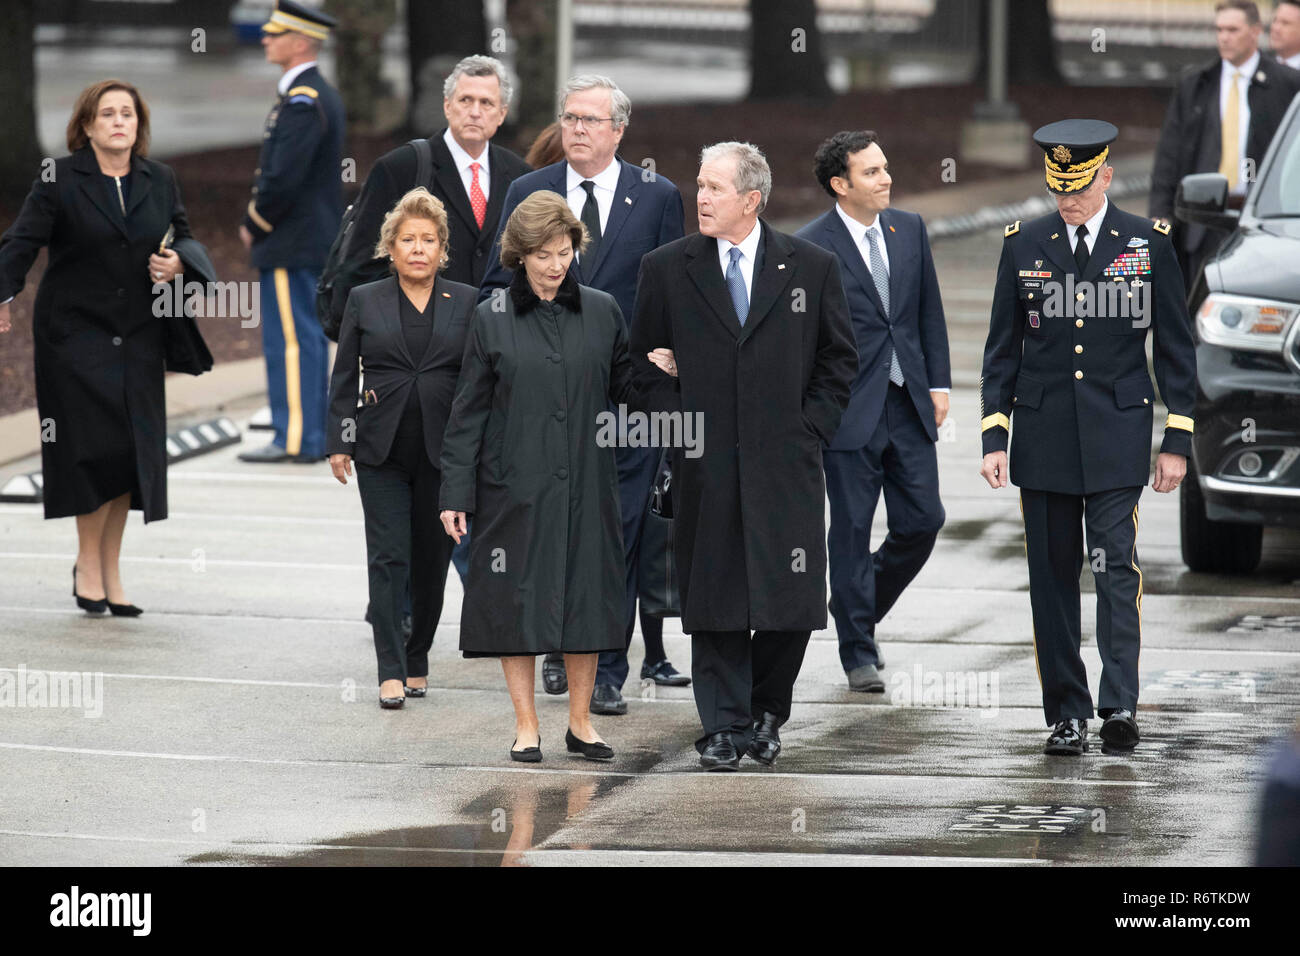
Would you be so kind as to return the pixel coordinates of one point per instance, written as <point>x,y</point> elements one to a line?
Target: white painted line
<point>265,618</point>
<point>208,562</point>
<point>546,857</point>
<point>207,477</point>
<point>34,511</point>
<point>370,765</point>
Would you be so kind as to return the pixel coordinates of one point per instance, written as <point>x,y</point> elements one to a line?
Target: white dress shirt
<point>1246,71</point>
<point>606,182</point>
<point>1292,61</point>
<point>859,233</point>
<point>748,253</point>
<point>1094,227</point>
<point>291,74</point>
<point>463,160</point>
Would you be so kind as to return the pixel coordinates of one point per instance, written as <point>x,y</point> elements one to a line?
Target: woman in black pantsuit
<point>405,334</point>
<point>103,212</point>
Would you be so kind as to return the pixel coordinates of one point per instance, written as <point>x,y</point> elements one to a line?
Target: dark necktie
<point>1081,249</point>
<point>591,219</point>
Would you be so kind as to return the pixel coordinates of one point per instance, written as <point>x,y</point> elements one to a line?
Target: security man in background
<point>289,225</point>
<point>1076,292</point>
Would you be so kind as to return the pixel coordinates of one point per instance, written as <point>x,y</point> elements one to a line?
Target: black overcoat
<point>750,511</point>
<point>99,346</point>
<point>521,455</point>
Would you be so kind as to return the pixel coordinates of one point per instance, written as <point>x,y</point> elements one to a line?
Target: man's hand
<point>1170,471</point>
<point>453,522</point>
<point>341,465</point>
<point>994,469</point>
<point>940,400</point>
<point>245,236</point>
<point>5,318</point>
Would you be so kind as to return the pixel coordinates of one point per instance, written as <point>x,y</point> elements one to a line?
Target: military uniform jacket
<point>297,201</point>
<point>1066,357</point>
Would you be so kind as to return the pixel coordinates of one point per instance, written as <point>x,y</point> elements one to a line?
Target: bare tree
<point>532,25</point>
<point>439,34</point>
<point>359,55</point>
<point>786,56</point>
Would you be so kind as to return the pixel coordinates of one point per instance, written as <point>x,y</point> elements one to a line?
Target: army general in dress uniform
<point>289,225</point>
<point>1077,292</point>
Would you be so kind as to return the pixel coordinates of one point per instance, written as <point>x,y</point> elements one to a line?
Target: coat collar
<point>84,162</point>
<point>525,299</point>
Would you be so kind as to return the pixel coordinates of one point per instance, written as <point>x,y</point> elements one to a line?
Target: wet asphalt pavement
<point>238,721</point>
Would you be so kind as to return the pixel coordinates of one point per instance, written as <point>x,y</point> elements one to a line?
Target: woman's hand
<point>665,359</point>
<point>5,318</point>
<point>165,266</point>
<point>454,524</point>
<point>341,465</point>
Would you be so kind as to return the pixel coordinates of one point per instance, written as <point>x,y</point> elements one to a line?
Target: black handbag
<point>186,350</point>
<point>656,564</point>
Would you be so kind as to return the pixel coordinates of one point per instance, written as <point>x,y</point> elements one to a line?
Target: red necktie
<point>476,198</point>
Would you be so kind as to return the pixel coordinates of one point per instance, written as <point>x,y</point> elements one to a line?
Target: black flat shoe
<point>528,754</point>
<point>125,610</point>
<point>392,703</point>
<point>87,604</point>
<point>597,750</point>
<point>664,674</point>
<point>1119,733</point>
<point>720,753</point>
<point>416,691</point>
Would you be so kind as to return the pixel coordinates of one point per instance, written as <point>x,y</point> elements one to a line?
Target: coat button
<point>117,340</point>
<point>478,253</point>
<point>559,416</point>
<point>562,473</point>
<point>555,356</point>
<point>1078,350</point>
<point>1078,323</point>
<point>121,293</point>
<point>1031,295</point>
<point>1078,296</point>
<point>1146,401</point>
<point>1078,375</point>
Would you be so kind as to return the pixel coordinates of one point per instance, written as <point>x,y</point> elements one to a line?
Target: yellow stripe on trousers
<point>1032,630</point>
<point>292,377</point>
<point>1134,565</point>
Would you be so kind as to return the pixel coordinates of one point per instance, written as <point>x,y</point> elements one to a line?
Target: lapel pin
<point>1259,77</point>
<point>781,266</point>
<point>1038,263</point>
<point>1114,232</point>
<point>628,200</point>
<point>446,295</point>
<point>1054,235</point>
<point>891,229</point>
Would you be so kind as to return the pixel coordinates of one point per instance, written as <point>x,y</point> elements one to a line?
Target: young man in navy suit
<point>628,211</point>
<point>886,438</point>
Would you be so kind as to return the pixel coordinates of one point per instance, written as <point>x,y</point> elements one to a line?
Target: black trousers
<point>406,547</point>
<point>1054,546</point>
<point>901,460</point>
<point>737,678</point>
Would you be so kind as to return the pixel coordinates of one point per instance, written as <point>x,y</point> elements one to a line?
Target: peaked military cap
<point>1076,150</point>
<point>299,18</point>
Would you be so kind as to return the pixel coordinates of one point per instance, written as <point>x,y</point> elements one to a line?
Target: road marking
<point>35,512</point>
<point>370,765</point>
<point>207,562</point>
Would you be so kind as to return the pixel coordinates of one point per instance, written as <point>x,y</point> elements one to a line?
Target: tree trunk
<point>359,55</point>
<point>532,24</point>
<point>20,160</point>
<point>440,33</point>
<point>786,58</point>
<point>1031,50</point>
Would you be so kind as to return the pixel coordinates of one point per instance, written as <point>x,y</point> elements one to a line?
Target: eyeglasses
<point>571,120</point>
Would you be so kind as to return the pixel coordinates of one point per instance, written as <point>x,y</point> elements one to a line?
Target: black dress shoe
<point>766,742</point>
<point>267,454</point>
<point>866,679</point>
<point>555,679</point>
<point>416,691</point>
<point>608,700</point>
<point>392,703</point>
<point>720,753</point>
<point>596,750</point>
<point>664,674</point>
<point>89,605</point>
<point>528,754</point>
<point>125,610</point>
<point>1069,738</point>
<point>1119,733</point>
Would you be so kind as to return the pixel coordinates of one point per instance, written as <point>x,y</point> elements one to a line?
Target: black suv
<point>1245,467</point>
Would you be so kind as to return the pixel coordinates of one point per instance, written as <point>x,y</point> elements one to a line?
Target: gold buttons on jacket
<point>1078,349</point>
<point>1078,374</point>
<point>1078,323</point>
<point>1078,296</point>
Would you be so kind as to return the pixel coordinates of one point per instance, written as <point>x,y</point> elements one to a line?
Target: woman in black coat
<point>104,212</point>
<point>407,334</point>
<point>521,454</point>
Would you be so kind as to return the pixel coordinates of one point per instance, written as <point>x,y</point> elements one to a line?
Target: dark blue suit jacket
<point>646,214</point>
<point>915,326</point>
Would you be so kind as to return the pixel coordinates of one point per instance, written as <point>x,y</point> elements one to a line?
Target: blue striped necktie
<point>736,286</point>
<point>880,276</point>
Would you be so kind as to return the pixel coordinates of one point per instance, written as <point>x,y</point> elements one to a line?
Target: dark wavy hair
<point>832,157</point>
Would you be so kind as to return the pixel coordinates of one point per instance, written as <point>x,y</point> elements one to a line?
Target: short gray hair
<point>620,105</point>
<point>479,66</point>
<point>752,171</point>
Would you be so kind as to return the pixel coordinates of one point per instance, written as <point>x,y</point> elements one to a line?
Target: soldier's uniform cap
<point>299,18</point>
<point>1075,150</point>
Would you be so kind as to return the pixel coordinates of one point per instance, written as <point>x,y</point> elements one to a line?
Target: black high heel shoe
<point>125,610</point>
<point>597,750</point>
<point>86,604</point>
<point>528,754</point>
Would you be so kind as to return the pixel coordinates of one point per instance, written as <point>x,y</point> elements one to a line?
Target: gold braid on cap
<point>1073,178</point>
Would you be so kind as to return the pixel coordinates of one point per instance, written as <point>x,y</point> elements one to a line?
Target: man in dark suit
<point>762,347</point>
<point>627,212</point>
<point>470,175</point>
<point>900,397</point>
<point>1076,292</point>
<point>289,225</point>
<point>1284,33</point>
<point>1221,118</point>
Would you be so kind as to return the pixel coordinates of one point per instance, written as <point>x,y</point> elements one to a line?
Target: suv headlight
<point>1244,322</point>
